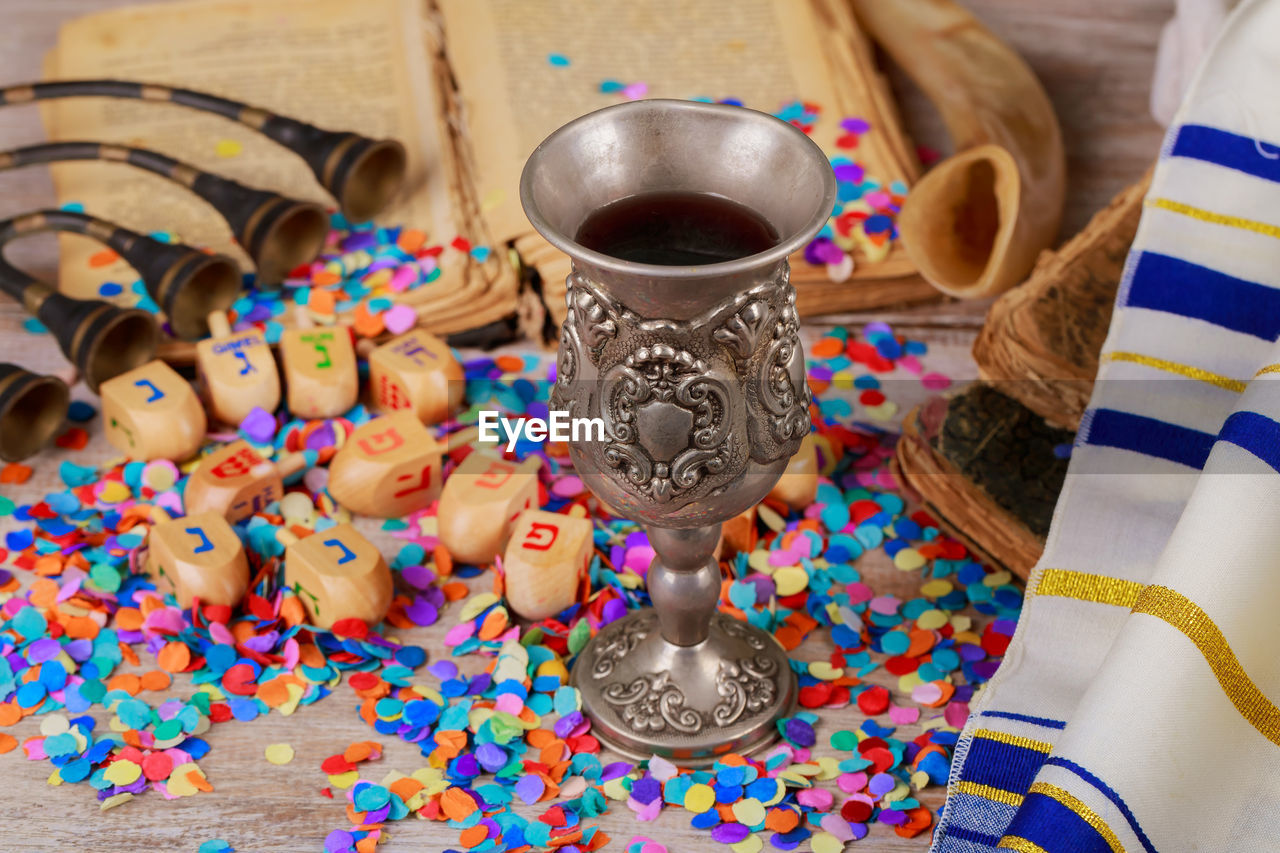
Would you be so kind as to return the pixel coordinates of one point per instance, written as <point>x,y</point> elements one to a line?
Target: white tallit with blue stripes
<point>1136,709</point>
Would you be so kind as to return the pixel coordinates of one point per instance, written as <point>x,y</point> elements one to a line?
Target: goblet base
<point>689,704</point>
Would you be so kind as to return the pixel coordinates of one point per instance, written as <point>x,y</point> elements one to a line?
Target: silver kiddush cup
<point>698,375</point>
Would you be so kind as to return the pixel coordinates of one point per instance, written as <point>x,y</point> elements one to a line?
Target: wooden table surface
<point>1094,58</point>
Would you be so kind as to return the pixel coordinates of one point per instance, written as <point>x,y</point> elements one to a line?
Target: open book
<point>470,87</point>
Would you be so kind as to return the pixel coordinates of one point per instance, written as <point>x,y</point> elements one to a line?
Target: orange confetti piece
<point>174,657</point>
<point>781,820</point>
<point>455,591</point>
<point>322,301</point>
<point>103,258</point>
<point>324,278</point>
<point>7,743</point>
<point>509,363</point>
<point>411,240</point>
<point>10,713</point>
<point>156,679</point>
<point>473,835</point>
<point>15,473</point>
<point>456,804</point>
<point>126,681</point>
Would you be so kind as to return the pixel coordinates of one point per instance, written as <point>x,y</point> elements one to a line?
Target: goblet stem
<point>684,581</point>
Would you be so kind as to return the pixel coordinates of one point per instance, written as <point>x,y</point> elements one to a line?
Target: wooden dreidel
<point>480,503</point>
<point>545,562</point>
<point>416,371</point>
<point>197,556</point>
<point>151,412</point>
<point>338,574</point>
<point>388,467</point>
<point>237,370</point>
<point>319,370</point>
<point>235,481</point>
<point>798,485</point>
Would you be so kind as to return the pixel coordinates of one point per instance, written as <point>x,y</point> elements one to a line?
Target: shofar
<point>975,223</point>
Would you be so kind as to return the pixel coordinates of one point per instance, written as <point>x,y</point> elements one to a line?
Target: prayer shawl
<point>1136,708</point>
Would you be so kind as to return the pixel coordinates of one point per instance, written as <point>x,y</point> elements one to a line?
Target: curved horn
<point>186,283</point>
<point>278,233</point>
<point>974,224</point>
<point>32,408</point>
<point>363,174</point>
<point>100,339</point>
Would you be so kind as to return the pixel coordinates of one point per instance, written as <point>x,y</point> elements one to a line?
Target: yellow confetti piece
<point>996,579</point>
<point>750,844</point>
<point>179,785</point>
<point>749,812</point>
<point>790,580</point>
<point>476,605</point>
<point>122,772</point>
<point>344,780</point>
<point>824,671</point>
<point>936,588</point>
<point>830,768</point>
<point>919,780</point>
<point>228,148</point>
<point>931,620</point>
<point>117,800</point>
<point>279,753</point>
<point>825,842</point>
<point>699,798</point>
<point>54,724</point>
<point>908,559</point>
<point>114,492</point>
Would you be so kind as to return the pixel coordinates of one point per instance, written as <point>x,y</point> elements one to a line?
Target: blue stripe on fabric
<point>1223,148</point>
<point>1106,791</point>
<point>1001,765</point>
<point>972,835</point>
<point>1174,286</point>
<point>1150,437</point>
<point>1255,433</point>
<point>1048,823</point>
<point>1026,718</point>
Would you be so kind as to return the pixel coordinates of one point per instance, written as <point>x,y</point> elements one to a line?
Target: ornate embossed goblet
<point>698,375</point>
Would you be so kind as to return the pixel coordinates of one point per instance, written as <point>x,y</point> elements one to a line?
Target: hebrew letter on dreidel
<point>205,544</point>
<point>156,393</point>
<point>347,554</point>
<point>540,536</point>
<point>381,442</point>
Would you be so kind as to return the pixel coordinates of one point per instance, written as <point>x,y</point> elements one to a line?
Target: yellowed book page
<point>765,52</point>
<point>335,63</point>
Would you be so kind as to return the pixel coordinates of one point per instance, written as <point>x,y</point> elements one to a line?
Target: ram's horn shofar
<point>32,408</point>
<point>100,339</point>
<point>185,282</point>
<point>363,174</point>
<point>279,233</point>
<point>975,223</point>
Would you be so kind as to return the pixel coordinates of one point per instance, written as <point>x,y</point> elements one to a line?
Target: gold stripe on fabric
<point>1020,844</point>
<point>1014,740</point>
<point>1190,371</point>
<point>1185,615</point>
<point>1083,586</point>
<point>1270,368</point>
<point>987,792</point>
<point>1264,228</point>
<point>1085,813</point>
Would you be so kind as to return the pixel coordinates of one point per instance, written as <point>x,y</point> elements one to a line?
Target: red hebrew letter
<point>236,465</point>
<point>424,481</point>
<point>382,442</point>
<point>540,536</point>
<point>496,476</point>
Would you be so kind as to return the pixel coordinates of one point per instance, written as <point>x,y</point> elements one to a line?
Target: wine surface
<point>676,229</point>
